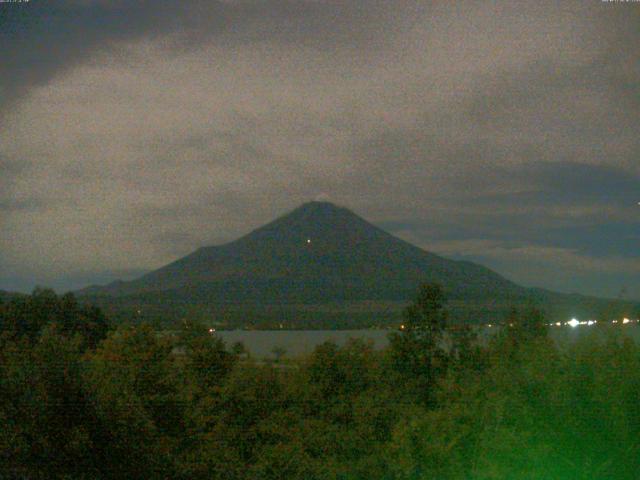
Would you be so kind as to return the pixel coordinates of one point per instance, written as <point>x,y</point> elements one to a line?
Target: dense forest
<point>81,398</point>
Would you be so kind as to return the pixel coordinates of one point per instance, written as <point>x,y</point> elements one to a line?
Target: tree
<point>278,353</point>
<point>527,325</point>
<point>239,349</point>
<point>45,417</point>
<point>417,351</point>
<point>426,317</point>
<point>27,316</point>
<point>138,394</point>
<point>542,412</point>
<point>207,359</point>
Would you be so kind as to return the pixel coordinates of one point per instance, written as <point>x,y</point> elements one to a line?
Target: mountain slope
<point>6,296</point>
<point>317,254</point>
<point>321,246</point>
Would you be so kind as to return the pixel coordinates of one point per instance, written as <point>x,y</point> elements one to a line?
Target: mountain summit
<point>320,249</point>
<point>315,256</point>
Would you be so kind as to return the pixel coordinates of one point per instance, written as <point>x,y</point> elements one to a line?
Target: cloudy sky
<point>508,132</point>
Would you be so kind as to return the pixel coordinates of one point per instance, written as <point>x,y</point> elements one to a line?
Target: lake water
<point>298,342</point>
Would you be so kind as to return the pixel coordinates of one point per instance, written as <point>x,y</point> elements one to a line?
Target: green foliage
<point>278,352</point>
<point>417,352</point>
<point>538,413</point>
<point>44,414</point>
<point>527,324</point>
<point>136,392</point>
<point>438,403</point>
<point>26,316</point>
<point>205,359</point>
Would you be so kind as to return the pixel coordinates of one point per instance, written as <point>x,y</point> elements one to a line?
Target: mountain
<point>319,261</point>
<point>6,296</point>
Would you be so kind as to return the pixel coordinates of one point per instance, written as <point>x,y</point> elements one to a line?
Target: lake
<point>299,342</point>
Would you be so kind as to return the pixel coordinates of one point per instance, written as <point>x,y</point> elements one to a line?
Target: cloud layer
<point>132,133</point>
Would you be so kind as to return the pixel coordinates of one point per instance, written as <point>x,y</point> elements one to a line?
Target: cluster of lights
<point>574,322</point>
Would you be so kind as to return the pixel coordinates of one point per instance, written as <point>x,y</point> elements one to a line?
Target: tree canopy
<point>79,400</point>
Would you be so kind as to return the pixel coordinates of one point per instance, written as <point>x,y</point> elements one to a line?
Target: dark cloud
<point>574,182</point>
<point>18,206</point>
<point>43,39</point>
<point>588,208</point>
<point>567,184</point>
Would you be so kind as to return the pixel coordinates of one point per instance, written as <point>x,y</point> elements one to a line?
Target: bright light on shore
<point>573,323</point>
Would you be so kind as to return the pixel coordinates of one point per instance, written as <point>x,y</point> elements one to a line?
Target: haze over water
<point>261,343</point>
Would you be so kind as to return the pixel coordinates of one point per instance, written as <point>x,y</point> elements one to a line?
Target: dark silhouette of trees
<point>418,351</point>
<point>525,325</point>
<point>437,403</point>
<point>26,316</point>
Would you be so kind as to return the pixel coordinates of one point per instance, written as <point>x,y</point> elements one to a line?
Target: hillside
<point>318,260</point>
<point>6,296</point>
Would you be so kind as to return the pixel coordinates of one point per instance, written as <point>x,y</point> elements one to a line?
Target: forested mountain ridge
<point>321,254</point>
<point>318,244</point>
<point>6,296</point>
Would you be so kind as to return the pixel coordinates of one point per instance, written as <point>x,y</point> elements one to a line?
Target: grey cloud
<point>557,268</point>
<point>21,206</point>
<point>45,39</point>
<point>171,125</point>
<point>563,184</point>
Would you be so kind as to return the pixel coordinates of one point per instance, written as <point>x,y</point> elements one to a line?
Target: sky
<point>502,132</point>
